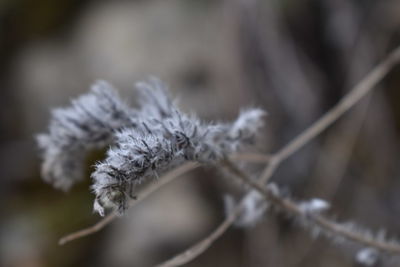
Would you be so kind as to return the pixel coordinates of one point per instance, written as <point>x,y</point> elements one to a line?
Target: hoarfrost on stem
<point>90,122</point>
<point>143,142</point>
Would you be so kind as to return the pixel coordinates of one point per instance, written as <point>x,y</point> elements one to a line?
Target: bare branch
<point>89,230</point>
<point>347,102</point>
<point>327,226</point>
<point>197,249</point>
<point>252,157</point>
<point>170,176</point>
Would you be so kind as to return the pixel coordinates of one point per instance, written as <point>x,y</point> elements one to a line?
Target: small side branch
<point>347,102</point>
<point>197,249</point>
<point>167,178</point>
<point>170,176</point>
<point>88,231</point>
<point>327,226</point>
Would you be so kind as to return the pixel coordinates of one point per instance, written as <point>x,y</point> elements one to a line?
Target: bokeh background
<point>293,58</point>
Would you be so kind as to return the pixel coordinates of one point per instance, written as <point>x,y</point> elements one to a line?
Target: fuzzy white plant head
<point>143,142</point>
<point>90,122</point>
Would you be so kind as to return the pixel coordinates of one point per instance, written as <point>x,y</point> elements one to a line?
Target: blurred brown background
<point>293,58</point>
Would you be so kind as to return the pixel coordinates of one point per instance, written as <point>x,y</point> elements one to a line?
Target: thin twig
<point>170,176</point>
<point>89,230</point>
<point>348,101</point>
<point>329,226</point>
<point>197,249</point>
<point>253,157</point>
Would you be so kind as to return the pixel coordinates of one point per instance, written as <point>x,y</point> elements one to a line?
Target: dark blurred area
<point>294,58</point>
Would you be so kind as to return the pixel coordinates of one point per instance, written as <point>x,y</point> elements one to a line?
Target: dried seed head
<point>90,122</point>
<point>144,142</point>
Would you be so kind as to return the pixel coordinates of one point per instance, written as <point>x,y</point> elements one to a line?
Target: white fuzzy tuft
<point>143,142</point>
<point>88,123</point>
<point>367,257</point>
<point>314,205</point>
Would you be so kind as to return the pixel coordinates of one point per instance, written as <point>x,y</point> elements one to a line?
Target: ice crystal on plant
<point>367,256</point>
<point>314,205</point>
<point>144,141</point>
<point>254,208</point>
<point>90,122</point>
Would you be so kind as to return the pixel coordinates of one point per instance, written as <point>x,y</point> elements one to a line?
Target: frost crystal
<point>367,257</point>
<point>254,208</point>
<point>314,205</point>
<point>144,141</point>
<point>90,122</point>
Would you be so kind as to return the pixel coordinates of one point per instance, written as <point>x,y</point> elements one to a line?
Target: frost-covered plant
<point>143,141</point>
<point>90,122</point>
<point>147,140</point>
